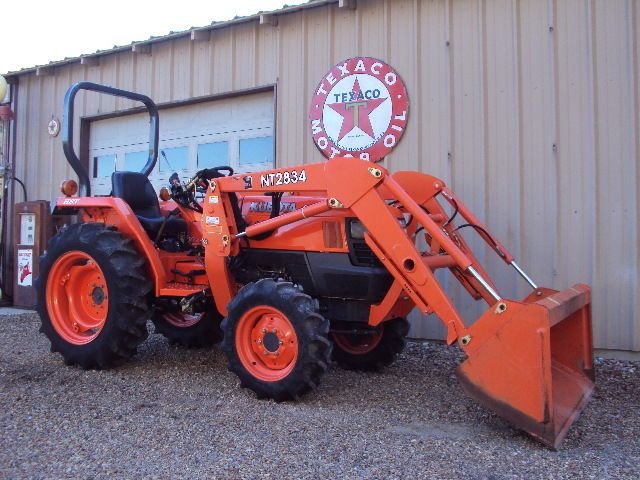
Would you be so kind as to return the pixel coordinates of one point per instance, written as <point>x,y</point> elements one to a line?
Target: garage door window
<point>134,161</point>
<point>173,159</point>
<point>256,150</point>
<point>104,166</point>
<point>213,154</point>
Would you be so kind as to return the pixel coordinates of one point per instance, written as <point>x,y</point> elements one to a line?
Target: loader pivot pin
<point>376,172</point>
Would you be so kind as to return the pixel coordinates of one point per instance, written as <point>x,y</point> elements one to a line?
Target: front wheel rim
<point>266,343</point>
<point>77,297</point>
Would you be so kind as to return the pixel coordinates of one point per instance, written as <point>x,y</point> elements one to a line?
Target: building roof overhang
<point>194,33</point>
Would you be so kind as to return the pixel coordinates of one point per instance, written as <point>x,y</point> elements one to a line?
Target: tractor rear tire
<point>275,341</point>
<point>93,296</point>
<point>199,330</point>
<point>371,352</point>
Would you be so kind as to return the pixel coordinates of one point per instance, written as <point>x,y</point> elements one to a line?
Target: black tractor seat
<point>136,189</point>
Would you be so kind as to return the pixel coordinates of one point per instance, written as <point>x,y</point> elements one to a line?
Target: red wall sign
<point>359,109</point>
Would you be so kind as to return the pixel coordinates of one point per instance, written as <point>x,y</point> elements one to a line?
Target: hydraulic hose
<point>24,189</point>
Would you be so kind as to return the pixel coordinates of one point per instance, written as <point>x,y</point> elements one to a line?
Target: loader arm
<point>530,360</point>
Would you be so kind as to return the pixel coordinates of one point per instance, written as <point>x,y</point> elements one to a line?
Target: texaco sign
<point>359,109</point>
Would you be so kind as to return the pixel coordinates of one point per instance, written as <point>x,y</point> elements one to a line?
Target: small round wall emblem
<point>53,127</point>
<point>359,109</point>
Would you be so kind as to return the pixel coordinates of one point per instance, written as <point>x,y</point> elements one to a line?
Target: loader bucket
<point>532,363</point>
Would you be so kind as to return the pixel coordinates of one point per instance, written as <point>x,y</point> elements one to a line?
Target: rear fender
<point>117,213</point>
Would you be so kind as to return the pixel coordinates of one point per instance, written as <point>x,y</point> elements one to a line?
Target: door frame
<point>87,120</point>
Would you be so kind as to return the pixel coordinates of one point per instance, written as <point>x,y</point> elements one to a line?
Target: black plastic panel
<point>320,274</point>
<point>334,275</point>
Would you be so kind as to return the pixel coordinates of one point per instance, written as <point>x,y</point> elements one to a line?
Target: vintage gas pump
<point>32,230</point>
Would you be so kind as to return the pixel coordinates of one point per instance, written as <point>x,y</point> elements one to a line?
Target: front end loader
<point>296,266</point>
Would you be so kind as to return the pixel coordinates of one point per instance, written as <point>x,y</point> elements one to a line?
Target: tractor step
<point>180,289</point>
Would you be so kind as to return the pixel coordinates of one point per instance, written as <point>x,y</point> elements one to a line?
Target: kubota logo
<point>359,109</point>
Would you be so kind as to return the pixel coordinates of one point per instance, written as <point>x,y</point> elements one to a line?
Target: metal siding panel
<point>469,135</point>
<point>201,72</point>
<point>373,29</point>
<point>430,113</point>
<point>575,156</point>
<point>126,78</point>
<point>59,168</point>
<point>22,124</point>
<point>91,102</point>
<point>43,162</point>
<point>403,29</point>
<point>109,76</point>
<point>181,69</point>
<point>317,43</point>
<point>163,73</point>
<point>502,195</point>
<point>144,72</point>
<point>430,121</point>
<point>575,148</point>
<point>267,56</point>
<point>539,179</point>
<point>343,33</point>
<point>635,42</point>
<point>292,107</point>
<point>34,150</point>
<point>223,59</point>
<point>617,209</point>
<point>245,55</point>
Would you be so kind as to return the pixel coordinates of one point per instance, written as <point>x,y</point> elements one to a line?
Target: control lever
<point>173,212</point>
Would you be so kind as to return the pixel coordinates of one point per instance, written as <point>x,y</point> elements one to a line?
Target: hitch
<point>188,304</point>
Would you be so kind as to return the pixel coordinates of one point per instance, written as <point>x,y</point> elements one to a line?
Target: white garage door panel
<point>194,136</point>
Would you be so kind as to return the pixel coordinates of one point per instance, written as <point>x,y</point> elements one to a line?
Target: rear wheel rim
<point>77,297</point>
<point>357,344</point>
<point>266,343</point>
<point>182,320</point>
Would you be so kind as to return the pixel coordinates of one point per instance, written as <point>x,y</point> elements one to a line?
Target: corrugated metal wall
<point>528,109</point>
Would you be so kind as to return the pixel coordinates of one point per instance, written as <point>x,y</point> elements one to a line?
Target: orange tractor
<point>293,267</point>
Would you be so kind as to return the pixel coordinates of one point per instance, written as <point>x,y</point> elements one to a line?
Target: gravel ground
<point>178,413</point>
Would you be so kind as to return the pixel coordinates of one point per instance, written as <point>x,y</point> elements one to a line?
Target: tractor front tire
<point>371,352</point>
<point>275,341</point>
<point>93,296</point>
<point>199,330</point>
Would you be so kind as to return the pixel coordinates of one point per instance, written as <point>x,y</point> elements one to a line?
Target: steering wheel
<point>215,171</point>
<point>185,194</point>
<point>203,176</point>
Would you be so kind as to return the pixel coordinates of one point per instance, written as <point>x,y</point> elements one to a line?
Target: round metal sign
<point>359,109</point>
<point>53,127</point>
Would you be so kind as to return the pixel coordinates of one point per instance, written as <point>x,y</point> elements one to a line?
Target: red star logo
<point>356,113</point>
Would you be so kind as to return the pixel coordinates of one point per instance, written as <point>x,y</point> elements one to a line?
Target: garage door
<point>236,131</point>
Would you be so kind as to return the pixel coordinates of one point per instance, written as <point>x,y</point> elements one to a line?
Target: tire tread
<point>129,289</point>
<point>314,347</point>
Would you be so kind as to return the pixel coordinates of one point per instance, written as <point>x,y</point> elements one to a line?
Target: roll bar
<point>67,129</point>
